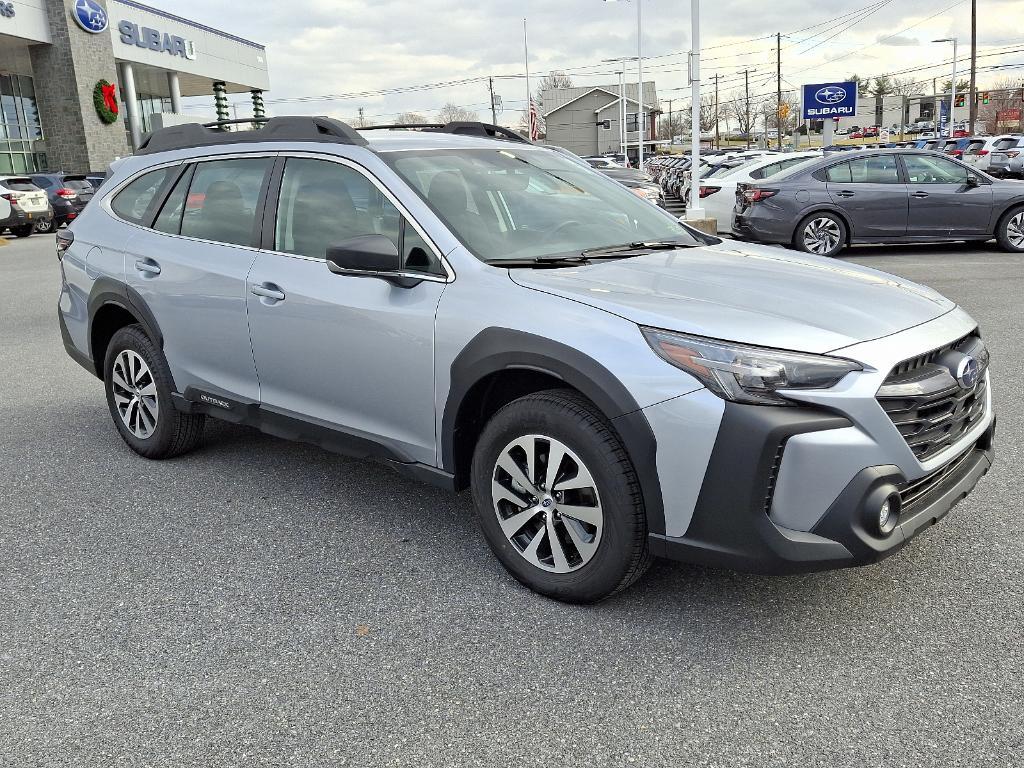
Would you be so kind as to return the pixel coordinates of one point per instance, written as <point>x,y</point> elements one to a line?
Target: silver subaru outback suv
<point>479,312</point>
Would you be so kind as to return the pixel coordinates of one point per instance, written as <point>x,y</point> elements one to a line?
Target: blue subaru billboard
<point>823,100</point>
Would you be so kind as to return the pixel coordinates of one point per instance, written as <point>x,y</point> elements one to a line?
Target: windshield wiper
<point>539,261</point>
<point>642,245</point>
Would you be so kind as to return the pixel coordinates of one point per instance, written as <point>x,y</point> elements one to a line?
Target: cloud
<point>898,40</point>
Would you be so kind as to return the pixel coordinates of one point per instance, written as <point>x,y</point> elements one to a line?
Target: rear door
<point>871,191</point>
<point>352,353</point>
<point>942,202</point>
<point>188,261</point>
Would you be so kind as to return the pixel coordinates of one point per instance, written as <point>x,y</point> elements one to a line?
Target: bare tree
<point>452,113</point>
<point>709,115</point>
<point>673,125</point>
<point>734,109</point>
<point>1004,93</point>
<point>906,86</point>
<point>411,118</point>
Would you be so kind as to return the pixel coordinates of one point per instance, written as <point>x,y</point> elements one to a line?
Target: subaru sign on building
<point>823,100</point>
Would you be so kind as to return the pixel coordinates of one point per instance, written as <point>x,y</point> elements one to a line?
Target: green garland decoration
<point>104,99</point>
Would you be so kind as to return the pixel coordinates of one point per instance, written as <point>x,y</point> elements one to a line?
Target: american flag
<point>534,122</point>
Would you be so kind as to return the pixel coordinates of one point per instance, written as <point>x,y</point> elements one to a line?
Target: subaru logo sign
<point>966,373</point>
<point>830,94</point>
<point>825,100</point>
<point>90,16</point>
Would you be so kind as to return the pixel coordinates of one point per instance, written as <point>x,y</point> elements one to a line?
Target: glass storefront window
<point>19,126</point>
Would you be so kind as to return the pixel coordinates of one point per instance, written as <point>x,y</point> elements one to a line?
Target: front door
<point>355,354</point>
<point>872,194</point>
<point>190,270</point>
<point>943,203</point>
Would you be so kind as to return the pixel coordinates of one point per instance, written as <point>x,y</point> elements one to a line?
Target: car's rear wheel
<point>24,230</point>
<point>558,498</point>
<point>138,385</point>
<point>823,234</point>
<point>1010,232</point>
<point>44,226</point>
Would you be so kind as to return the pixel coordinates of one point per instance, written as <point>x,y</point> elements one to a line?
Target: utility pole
<point>362,120</point>
<point>718,139</point>
<point>494,111</point>
<point>671,127</point>
<point>746,90</point>
<point>974,67</point>
<point>640,79</point>
<point>778,89</point>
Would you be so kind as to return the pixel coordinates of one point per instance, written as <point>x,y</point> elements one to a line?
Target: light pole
<point>640,80</point>
<point>693,211</point>
<point>622,100</point>
<point>952,94</point>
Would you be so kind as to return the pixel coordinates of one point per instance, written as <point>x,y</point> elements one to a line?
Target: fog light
<point>888,514</point>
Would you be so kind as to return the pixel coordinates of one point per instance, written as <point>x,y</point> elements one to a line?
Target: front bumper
<point>732,527</point>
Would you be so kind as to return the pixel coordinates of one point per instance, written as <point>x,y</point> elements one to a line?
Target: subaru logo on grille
<point>966,373</point>
<point>830,94</point>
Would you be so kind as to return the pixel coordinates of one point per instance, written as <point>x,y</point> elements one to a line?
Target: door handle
<point>148,266</point>
<point>920,194</point>
<point>268,291</point>
<point>844,193</point>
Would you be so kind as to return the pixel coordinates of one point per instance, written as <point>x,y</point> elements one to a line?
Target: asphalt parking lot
<point>259,602</point>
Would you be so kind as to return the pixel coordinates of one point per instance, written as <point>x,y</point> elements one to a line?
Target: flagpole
<point>529,95</point>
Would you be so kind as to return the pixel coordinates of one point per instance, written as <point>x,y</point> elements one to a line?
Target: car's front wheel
<point>1010,231</point>
<point>558,498</point>
<point>138,384</point>
<point>823,234</point>
<point>24,230</point>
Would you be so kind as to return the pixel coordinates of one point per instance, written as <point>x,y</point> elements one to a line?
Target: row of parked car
<point>820,201</point>
<point>43,202</point>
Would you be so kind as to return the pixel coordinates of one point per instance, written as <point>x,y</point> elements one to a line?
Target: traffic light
<point>960,98</point>
<point>984,97</point>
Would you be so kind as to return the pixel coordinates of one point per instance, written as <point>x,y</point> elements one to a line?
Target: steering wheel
<point>551,234</point>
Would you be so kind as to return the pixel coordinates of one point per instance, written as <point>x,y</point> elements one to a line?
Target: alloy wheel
<point>1015,230</point>
<point>822,235</point>
<point>547,503</point>
<point>44,225</point>
<point>135,394</point>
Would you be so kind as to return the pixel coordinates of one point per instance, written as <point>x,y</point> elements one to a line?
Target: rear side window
<point>880,169</point>
<point>169,218</point>
<point>838,173</point>
<point>222,200</point>
<point>42,181</point>
<point>133,202</point>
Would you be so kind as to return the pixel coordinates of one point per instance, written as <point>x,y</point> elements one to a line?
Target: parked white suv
<point>978,151</point>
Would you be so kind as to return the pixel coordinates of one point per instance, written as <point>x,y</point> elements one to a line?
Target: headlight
<point>746,374</point>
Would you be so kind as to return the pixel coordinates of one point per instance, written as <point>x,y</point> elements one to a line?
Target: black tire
<point>622,553</point>
<point>1011,222</point>
<point>45,226</point>
<point>175,432</point>
<point>24,230</point>
<point>829,222</point>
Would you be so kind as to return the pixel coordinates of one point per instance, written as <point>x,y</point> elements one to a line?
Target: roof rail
<point>187,135</point>
<point>464,128</point>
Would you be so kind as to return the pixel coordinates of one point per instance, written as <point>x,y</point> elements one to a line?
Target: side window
<point>323,203</point>
<point>924,169</point>
<point>416,254</point>
<point>222,199</point>
<point>132,202</point>
<point>42,182</point>
<point>169,218</point>
<point>880,169</point>
<point>838,173</point>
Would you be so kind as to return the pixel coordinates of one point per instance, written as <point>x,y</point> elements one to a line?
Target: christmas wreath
<point>104,98</point>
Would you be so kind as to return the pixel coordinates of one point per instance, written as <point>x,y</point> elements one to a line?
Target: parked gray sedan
<point>880,196</point>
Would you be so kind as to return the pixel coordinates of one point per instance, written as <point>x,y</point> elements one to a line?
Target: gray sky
<point>321,47</point>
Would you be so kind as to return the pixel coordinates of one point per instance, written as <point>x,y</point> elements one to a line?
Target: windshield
<point>527,204</point>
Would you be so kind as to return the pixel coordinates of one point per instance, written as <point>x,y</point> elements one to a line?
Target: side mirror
<point>369,256</point>
<point>973,181</point>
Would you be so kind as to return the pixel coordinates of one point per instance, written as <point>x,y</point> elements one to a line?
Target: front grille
<point>927,405</point>
<point>918,490</point>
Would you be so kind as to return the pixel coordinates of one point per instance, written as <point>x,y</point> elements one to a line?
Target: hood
<point>748,293</point>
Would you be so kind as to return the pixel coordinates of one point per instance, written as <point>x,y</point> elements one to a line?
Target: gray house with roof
<point>575,118</point>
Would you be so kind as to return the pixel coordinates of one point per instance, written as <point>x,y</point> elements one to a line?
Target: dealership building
<point>82,80</point>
